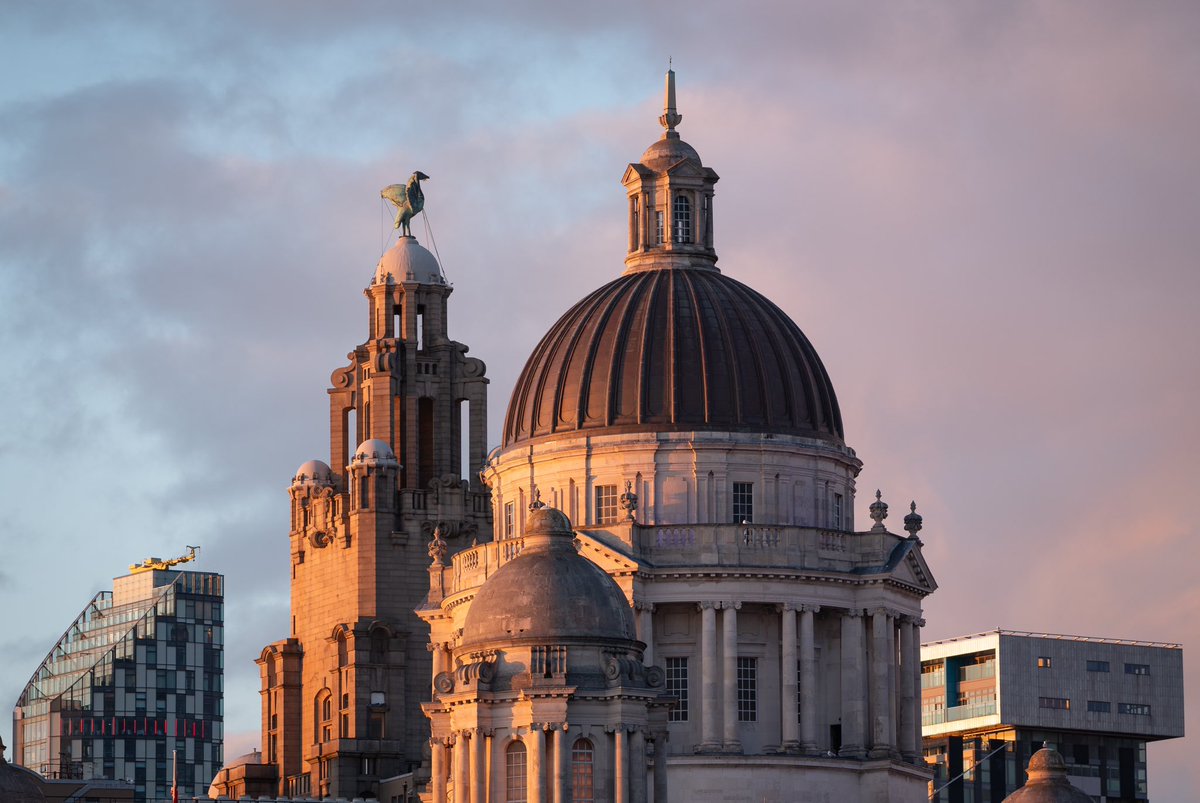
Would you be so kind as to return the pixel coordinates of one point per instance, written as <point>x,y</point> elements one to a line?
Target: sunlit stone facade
<point>688,429</point>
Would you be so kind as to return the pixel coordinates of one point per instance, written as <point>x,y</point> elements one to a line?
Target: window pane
<point>514,773</point>
<point>582,764</point>
<point>606,504</point>
<point>747,689</point>
<point>682,219</point>
<point>677,686</point>
<point>743,502</point>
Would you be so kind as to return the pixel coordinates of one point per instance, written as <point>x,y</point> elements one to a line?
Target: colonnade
<point>470,766</point>
<point>879,668</point>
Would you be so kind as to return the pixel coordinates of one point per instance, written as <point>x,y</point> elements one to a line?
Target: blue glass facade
<point>133,685</point>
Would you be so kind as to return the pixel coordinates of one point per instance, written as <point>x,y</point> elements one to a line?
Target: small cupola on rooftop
<point>670,201</point>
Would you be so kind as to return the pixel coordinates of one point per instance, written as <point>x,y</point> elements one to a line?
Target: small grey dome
<point>314,472</point>
<point>17,784</point>
<point>374,452</point>
<point>1048,781</point>
<point>668,151</point>
<point>408,261</point>
<point>549,592</point>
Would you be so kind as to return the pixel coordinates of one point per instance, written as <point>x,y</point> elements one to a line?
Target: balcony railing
<point>958,712</point>
<point>765,545</point>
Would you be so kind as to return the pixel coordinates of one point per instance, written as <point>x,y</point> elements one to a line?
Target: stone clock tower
<point>340,696</point>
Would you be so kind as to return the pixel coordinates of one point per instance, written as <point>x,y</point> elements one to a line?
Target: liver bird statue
<point>408,199</point>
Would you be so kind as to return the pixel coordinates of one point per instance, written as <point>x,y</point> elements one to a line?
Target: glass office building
<point>134,683</point>
<point>991,700</point>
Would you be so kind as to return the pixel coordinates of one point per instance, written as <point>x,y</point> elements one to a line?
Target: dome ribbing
<point>673,350</point>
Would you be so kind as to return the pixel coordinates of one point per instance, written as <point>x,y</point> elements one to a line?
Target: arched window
<point>379,646</point>
<point>515,785</point>
<point>583,761</point>
<point>682,219</point>
<point>343,655</point>
<point>322,716</point>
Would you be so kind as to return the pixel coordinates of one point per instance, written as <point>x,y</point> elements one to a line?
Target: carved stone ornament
<point>444,682</point>
<point>537,503</point>
<point>879,509</point>
<point>913,521</point>
<point>629,501</point>
<point>437,548</point>
<point>656,677</point>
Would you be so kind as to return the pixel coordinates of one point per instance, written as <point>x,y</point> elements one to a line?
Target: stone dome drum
<point>549,593</point>
<point>673,350</point>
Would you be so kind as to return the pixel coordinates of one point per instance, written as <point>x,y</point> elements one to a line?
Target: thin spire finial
<point>670,117</point>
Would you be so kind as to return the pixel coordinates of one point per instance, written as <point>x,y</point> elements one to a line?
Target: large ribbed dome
<point>673,350</point>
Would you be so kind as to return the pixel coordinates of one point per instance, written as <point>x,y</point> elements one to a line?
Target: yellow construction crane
<point>152,564</point>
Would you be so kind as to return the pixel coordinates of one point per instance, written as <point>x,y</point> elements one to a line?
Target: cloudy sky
<point>986,217</point>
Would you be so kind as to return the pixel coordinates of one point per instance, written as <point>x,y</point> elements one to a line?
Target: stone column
<point>789,730</point>
<point>462,768</point>
<point>853,713</point>
<point>710,738</point>
<point>917,624</point>
<point>660,767</point>
<point>808,681</point>
<point>637,766</point>
<point>620,766</point>
<point>908,705</point>
<point>562,758</point>
<point>893,681</point>
<point>881,705</point>
<point>437,769</point>
<point>729,686</point>
<point>645,629</point>
<point>478,768</point>
<point>536,762</point>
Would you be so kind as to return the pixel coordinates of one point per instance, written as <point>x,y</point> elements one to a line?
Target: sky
<point>985,216</point>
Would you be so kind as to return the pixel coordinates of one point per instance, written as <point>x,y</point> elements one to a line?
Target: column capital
<point>853,613</point>
<point>881,610</point>
<point>488,732</point>
<point>734,605</point>
<point>808,607</point>
<point>639,604</point>
<point>783,607</point>
<point>707,605</point>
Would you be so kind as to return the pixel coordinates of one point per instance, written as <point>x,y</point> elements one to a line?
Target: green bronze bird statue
<point>408,199</point>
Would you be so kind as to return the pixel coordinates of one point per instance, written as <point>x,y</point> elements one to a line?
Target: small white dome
<point>314,472</point>
<point>374,452</point>
<point>408,261</point>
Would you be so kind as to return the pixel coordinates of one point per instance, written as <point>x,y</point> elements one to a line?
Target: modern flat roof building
<point>136,677</point>
<point>990,700</point>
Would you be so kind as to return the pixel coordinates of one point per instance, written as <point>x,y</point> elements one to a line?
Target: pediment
<point>912,568</point>
<point>608,557</point>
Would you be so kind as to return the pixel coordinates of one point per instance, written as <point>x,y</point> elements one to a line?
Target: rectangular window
<point>658,223</point>
<point>1097,666</point>
<point>1099,706</point>
<point>606,504</point>
<point>1043,662</point>
<point>1057,703</point>
<point>677,687</point>
<point>743,502</point>
<point>747,689</point>
<point>836,513</point>
<point>510,518</point>
<point>1137,709</point>
<point>1137,669</point>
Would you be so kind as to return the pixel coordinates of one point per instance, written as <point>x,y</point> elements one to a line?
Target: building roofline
<point>1058,637</point>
